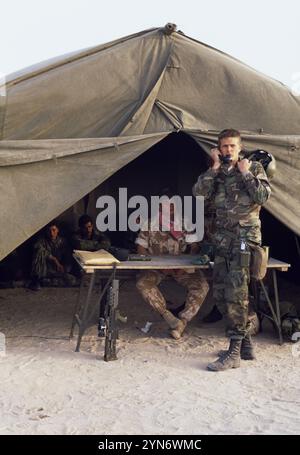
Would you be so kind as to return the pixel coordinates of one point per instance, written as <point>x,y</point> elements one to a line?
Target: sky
<point>265,34</point>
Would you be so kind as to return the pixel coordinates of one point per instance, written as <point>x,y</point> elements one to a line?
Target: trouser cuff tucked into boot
<point>230,360</point>
<point>247,349</point>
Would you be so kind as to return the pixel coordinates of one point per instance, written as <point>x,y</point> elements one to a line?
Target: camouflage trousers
<point>47,274</point>
<point>195,283</point>
<point>230,291</point>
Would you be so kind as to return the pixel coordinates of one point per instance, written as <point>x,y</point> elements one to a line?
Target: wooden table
<point>112,274</point>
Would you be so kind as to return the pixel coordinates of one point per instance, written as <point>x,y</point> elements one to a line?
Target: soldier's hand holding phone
<point>244,165</point>
<point>215,156</point>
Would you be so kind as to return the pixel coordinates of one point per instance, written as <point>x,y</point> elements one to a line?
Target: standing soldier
<point>238,189</point>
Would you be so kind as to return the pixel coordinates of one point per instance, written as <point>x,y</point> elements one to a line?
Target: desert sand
<point>157,385</point>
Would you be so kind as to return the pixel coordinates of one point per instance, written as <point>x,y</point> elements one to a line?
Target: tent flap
<point>34,193</point>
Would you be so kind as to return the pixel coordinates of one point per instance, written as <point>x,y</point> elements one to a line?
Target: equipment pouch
<point>259,262</point>
<point>245,258</point>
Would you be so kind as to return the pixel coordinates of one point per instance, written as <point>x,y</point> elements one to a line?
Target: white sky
<point>262,33</point>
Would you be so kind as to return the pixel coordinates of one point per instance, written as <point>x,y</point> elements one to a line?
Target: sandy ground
<point>157,385</point>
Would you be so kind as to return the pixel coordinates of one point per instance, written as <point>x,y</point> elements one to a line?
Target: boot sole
<point>222,369</point>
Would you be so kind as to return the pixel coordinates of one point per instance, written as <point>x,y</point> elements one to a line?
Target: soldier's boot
<point>177,333</point>
<point>170,319</point>
<point>231,360</point>
<point>247,349</point>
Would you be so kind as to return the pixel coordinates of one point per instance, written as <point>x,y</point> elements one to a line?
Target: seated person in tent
<point>161,242</point>
<point>87,238</point>
<point>51,260</point>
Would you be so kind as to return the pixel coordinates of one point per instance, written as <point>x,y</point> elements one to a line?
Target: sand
<point>157,385</point>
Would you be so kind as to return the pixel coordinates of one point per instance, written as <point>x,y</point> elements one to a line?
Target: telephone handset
<point>226,159</point>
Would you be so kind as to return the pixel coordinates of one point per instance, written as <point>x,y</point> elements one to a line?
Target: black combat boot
<point>230,360</point>
<point>247,349</point>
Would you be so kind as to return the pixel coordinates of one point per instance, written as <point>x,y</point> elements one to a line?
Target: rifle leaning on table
<point>111,331</point>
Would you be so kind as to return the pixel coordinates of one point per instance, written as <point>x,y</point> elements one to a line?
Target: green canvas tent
<point>68,124</point>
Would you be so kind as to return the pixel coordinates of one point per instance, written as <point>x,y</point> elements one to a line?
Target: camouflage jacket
<point>160,242</point>
<point>237,198</point>
<point>43,249</point>
<point>57,248</point>
<point>98,241</point>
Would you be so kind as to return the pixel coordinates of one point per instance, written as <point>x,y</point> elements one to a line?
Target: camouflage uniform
<point>161,243</point>
<point>97,241</point>
<point>44,269</point>
<point>238,199</point>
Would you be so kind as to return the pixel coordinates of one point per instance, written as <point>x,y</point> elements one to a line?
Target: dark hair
<point>83,220</point>
<point>46,230</point>
<point>228,133</point>
<point>52,223</point>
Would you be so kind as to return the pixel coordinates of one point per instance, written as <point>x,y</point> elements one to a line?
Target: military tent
<point>68,124</point>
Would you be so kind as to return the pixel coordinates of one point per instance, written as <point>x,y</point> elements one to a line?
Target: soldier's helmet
<point>266,159</point>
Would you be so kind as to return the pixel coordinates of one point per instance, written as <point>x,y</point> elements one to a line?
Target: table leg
<point>82,322</point>
<point>277,305</point>
<point>77,307</point>
<point>274,315</point>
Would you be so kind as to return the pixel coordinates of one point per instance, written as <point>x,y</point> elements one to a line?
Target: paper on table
<point>100,257</point>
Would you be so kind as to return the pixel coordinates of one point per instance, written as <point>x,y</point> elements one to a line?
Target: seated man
<point>51,260</point>
<point>161,242</point>
<point>87,239</point>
